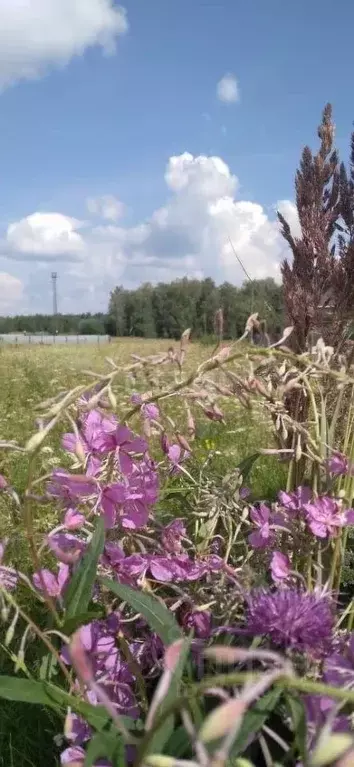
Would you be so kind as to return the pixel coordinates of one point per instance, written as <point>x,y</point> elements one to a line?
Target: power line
<point>245,271</point>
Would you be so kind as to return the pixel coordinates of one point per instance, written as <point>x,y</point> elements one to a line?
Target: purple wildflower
<point>339,666</point>
<point>279,566</point>
<point>71,487</point>
<point>66,547</point>
<point>295,502</point>
<point>319,710</point>
<point>136,399</point>
<point>74,756</point>
<point>325,518</point>
<point>54,585</point>
<point>73,520</point>
<point>200,621</point>
<point>3,483</point>
<point>338,465</point>
<point>150,411</point>
<point>176,455</point>
<point>109,667</point>
<point>172,536</point>
<point>264,536</point>
<point>291,618</point>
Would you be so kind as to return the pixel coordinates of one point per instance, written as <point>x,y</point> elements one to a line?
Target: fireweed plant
<point>218,638</point>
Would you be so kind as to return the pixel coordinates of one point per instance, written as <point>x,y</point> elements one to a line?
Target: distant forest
<point>165,310</point>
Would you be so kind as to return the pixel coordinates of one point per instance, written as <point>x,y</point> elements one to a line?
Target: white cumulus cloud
<point>194,234</point>
<point>107,207</point>
<point>227,89</point>
<point>44,236</point>
<point>37,34</point>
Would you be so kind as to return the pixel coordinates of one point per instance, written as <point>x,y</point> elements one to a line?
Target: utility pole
<point>54,288</point>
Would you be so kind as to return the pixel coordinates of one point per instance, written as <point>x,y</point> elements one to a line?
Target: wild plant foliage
<point>220,637</point>
<point>318,285</point>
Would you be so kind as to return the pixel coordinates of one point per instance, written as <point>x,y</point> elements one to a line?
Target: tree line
<point>165,310</point>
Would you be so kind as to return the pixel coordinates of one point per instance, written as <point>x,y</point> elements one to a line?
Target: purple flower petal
<point>73,520</point>
<point>280,566</point>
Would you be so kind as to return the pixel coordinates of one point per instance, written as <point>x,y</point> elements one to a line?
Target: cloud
<point>38,34</point>
<point>289,212</point>
<point>11,292</point>
<point>45,236</point>
<point>194,234</point>
<point>107,207</point>
<point>227,89</point>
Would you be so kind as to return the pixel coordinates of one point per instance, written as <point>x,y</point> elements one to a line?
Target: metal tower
<point>54,287</point>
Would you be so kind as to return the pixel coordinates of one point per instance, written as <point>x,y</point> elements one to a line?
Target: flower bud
<point>222,719</point>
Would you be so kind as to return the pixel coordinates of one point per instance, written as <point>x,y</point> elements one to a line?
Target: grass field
<point>31,375</point>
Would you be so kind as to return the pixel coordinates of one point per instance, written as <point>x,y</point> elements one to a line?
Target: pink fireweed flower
<point>54,585</point>
<point>128,502</point>
<point>325,518</point>
<point>126,446</point>
<point>3,483</point>
<point>73,520</point>
<point>71,487</point>
<point>264,535</point>
<point>200,621</point>
<point>280,566</point>
<point>176,455</point>
<point>66,547</point>
<point>172,535</point>
<point>295,502</point>
<point>338,465</point>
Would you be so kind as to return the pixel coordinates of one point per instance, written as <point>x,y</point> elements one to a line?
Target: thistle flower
<point>291,618</point>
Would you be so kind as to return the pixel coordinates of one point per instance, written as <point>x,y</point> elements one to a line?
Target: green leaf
<point>103,745</point>
<point>159,617</point>
<point>82,619</point>
<point>164,732</point>
<point>79,592</point>
<point>255,719</point>
<point>179,743</point>
<point>247,464</point>
<point>46,694</point>
<point>298,718</point>
<point>48,667</point>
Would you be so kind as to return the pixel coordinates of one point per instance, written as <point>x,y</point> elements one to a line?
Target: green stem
<point>305,686</point>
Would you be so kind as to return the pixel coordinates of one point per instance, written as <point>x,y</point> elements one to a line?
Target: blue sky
<point>96,100</point>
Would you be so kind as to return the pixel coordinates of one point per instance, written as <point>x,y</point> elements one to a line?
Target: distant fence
<point>42,339</point>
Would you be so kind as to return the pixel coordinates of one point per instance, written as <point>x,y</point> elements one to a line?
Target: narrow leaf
<point>46,694</point>
<point>298,718</point>
<point>245,466</point>
<point>255,719</point>
<point>101,745</point>
<point>164,732</point>
<point>159,617</point>
<point>79,593</point>
<point>82,619</point>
